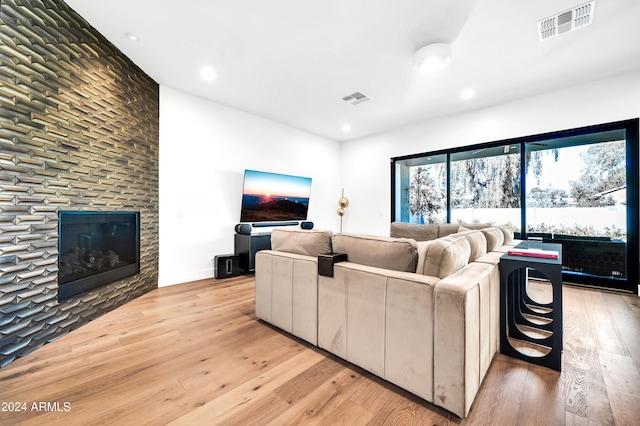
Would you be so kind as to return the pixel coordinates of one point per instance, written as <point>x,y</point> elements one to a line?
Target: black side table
<point>515,304</point>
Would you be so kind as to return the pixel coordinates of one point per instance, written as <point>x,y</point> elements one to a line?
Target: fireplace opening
<point>96,248</point>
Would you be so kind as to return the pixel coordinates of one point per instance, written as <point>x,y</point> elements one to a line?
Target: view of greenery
<point>428,193</point>
<point>493,182</point>
<point>612,231</point>
<point>486,182</point>
<point>603,172</point>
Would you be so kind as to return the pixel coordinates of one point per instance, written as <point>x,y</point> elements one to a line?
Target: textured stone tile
<point>78,131</point>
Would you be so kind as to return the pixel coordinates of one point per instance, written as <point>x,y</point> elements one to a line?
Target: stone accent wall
<point>79,130</point>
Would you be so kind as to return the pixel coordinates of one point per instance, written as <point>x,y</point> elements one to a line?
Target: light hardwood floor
<point>195,354</point>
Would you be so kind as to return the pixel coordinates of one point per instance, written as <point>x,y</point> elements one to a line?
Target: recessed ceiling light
<point>132,37</point>
<point>432,58</point>
<point>208,73</point>
<point>346,128</point>
<point>467,94</point>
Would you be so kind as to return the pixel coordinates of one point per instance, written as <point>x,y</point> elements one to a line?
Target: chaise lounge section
<point>420,313</point>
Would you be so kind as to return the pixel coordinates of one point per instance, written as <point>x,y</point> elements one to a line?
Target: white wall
<point>366,171</point>
<point>205,147</point>
<point>204,150</point>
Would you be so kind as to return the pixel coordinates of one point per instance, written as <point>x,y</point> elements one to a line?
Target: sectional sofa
<point>418,308</point>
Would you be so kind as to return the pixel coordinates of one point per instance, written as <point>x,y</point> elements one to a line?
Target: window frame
<point>631,131</point>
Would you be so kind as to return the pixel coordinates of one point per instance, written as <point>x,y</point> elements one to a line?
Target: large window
<point>422,190</point>
<point>577,187</point>
<point>485,185</point>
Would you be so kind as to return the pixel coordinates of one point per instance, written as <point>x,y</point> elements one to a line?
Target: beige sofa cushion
<point>397,254</point>
<point>445,229</point>
<point>473,226</point>
<point>494,236</point>
<point>422,249</point>
<point>308,242</point>
<point>431,231</point>
<point>477,241</point>
<point>507,230</point>
<point>444,256</point>
<point>417,232</point>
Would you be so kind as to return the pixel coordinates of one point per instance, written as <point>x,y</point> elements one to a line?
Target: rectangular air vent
<point>572,19</point>
<point>356,98</point>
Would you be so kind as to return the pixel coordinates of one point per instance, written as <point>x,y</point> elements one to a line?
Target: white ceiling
<point>292,61</point>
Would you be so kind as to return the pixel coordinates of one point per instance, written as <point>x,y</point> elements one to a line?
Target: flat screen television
<point>273,197</point>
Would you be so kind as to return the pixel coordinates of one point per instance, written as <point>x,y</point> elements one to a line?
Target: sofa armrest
<point>287,292</point>
<point>463,306</point>
<point>455,341</point>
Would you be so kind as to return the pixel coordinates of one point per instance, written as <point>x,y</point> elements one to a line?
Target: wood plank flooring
<point>195,354</point>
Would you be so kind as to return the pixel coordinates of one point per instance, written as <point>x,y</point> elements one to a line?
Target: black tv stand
<point>246,247</point>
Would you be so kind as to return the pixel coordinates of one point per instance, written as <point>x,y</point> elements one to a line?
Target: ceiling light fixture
<point>346,128</point>
<point>208,73</point>
<point>132,37</point>
<point>432,57</point>
<point>467,94</point>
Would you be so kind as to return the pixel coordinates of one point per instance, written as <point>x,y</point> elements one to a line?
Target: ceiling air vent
<point>572,19</point>
<point>356,98</point>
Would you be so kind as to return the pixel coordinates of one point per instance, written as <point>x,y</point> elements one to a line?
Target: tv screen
<point>272,197</point>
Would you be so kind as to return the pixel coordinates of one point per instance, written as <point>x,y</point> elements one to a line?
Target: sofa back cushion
<point>398,254</point>
<point>445,229</point>
<point>494,236</point>
<point>477,242</point>
<point>454,228</point>
<point>425,232</point>
<point>507,230</point>
<point>308,242</point>
<point>444,256</point>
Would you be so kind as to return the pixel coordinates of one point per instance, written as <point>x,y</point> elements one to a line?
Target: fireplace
<point>96,248</point>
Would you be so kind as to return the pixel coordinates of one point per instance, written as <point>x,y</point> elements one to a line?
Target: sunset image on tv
<point>274,197</point>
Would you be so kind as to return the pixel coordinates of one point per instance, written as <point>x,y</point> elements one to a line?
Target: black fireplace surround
<point>96,248</point>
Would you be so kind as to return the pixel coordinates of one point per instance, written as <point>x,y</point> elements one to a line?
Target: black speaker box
<point>306,225</point>
<point>226,266</point>
<point>243,228</point>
